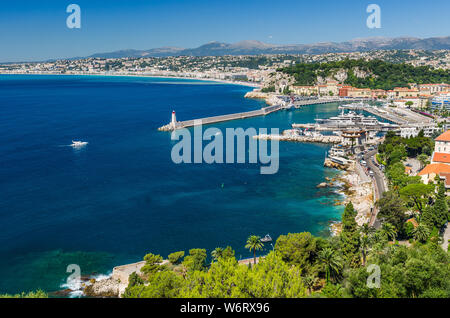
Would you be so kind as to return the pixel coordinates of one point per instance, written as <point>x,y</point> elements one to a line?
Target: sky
<point>32,30</point>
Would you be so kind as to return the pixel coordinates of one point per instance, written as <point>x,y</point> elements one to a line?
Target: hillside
<point>374,74</point>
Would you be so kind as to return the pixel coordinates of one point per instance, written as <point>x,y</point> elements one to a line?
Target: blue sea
<point>121,196</point>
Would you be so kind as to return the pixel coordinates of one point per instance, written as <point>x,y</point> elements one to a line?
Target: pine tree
<point>350,236</point>
<point>440,208</point>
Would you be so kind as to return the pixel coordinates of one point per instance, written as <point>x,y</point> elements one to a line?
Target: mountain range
<point>257,47</point>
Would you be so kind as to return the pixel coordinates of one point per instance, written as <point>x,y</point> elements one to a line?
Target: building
<point>441,102</point>
<point>359,92</point>
<point>305,90</point>
<point>440,162</point>
<point>434,88</point>
<point>442,143</point>
<point>406,92</point>
<point>413,131</point>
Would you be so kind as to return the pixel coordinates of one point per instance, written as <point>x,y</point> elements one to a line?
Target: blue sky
<point>36,30</point>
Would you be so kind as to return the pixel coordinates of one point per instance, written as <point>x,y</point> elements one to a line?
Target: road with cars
<point>378,177</point>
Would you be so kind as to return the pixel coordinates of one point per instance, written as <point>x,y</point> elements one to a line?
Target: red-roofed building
<point>445,137</point>
<point>439,157</point>
<point>440,161</point>
<point>429,173</point>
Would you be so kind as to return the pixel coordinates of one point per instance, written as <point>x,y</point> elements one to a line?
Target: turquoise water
<point>121,196</point>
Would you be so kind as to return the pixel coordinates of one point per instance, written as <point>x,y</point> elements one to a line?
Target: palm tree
<point>332,261</point>
<point>421,232</point>
<point>389,231</point>
<point>366,229</point>
<point>254,243</point>
<point>217,253</point>
<point>309,282</point>
<point>364,246</point>
<point>423,158</point>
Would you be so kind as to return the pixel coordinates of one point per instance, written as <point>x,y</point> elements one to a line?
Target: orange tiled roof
<point>441,157</point>
<point>445,176</point>
<point>444,137</point>
<point>435,168</point>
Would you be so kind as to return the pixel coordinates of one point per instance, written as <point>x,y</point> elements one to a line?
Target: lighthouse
<point>173,123</point>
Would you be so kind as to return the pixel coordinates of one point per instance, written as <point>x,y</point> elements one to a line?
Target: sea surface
<point>121,196</point>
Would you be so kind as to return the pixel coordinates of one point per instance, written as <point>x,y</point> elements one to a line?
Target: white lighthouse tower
<point>173,123</point>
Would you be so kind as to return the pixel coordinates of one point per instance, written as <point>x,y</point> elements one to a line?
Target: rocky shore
<point>270,98</point>
<point>356,191</point>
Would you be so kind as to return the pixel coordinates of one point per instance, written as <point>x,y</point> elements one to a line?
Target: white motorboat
<point>78,144</point>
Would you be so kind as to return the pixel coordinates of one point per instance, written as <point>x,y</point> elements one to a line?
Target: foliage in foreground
<point>33,294</point>
<point>306,266</point>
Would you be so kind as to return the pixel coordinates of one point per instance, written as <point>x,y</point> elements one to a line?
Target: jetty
<point>282,105</point>
<point>217,119</point>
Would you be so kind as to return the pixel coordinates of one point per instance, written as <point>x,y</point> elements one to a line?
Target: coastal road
<point>380,187</point>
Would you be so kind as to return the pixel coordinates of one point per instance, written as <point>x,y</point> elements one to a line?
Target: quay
<point>174,124</point>
<point>395,115</point>
<point>311,139</point>
<point>318,127</point>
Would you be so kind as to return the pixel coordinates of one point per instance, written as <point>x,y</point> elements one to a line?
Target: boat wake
<point>76,144</point>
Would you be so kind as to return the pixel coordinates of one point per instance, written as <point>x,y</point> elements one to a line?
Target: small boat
<point>266,239</point>
<point>78,144</point>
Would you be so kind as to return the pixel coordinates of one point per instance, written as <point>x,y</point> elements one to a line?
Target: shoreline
<point>246,84</point>
<point>354,190</point>
<point>106,278</point>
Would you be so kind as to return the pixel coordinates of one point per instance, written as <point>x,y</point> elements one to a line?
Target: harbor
<point>277,104</point>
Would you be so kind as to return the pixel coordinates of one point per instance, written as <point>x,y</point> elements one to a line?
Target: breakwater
<point>216,119</point>
<point>254,113</point>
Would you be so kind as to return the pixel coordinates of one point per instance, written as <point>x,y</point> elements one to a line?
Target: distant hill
<point>257,47</point>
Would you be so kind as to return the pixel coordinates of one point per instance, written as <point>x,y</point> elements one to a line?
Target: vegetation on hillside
<point>378,74</point>
<point>405,248</point>
<point>303,265</point>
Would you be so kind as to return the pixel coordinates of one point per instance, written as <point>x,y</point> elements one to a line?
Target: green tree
<point>153,264</point>
<point>350,236</point>
<point>421,232</point>
<point>228,252</point>
<point>196,259</point>
<point>254,244</point>
<point>217,253</point>
<point>175,258</point>
<point>440,208</point>
<point>331,261</point>
<point>389,231</point>
<point>391,209</point>
<point>417,193</point>
<point>310,281</point>
<point>165,284</point>
<point>297,249</point>
<point>364,246</point>
<point>423,159</point>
